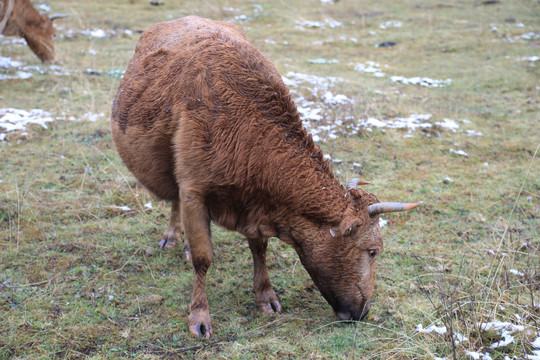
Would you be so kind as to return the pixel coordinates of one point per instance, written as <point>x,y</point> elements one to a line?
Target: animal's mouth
<point>354,315</point>
<point>346,316</point>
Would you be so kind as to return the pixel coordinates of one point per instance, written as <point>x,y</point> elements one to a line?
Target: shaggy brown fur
<point>25,21</point>
<point>204,120</point>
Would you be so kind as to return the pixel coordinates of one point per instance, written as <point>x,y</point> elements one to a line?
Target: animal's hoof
<point>166,243</point>
<point>199,323</point>
<point>270,307</point>
<point>201,330</point>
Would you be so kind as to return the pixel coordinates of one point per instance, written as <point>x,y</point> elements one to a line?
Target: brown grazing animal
<point>20,18</point>
<point>204,120</point>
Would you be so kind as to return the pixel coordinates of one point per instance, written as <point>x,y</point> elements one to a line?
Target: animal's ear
<point>349,226</point>
<point>44,22</point>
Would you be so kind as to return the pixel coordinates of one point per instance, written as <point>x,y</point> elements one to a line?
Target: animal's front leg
<point>197,228</point>
<point>265,296</point>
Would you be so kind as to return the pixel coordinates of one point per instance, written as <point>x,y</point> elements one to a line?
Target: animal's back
<point>159,66</point>
<point>160,81</point>
<point>196,101</point>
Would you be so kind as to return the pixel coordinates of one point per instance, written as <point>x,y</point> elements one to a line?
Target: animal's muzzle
<point>354,314</point>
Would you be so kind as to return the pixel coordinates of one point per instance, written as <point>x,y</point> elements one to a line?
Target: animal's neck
<point>254,123</point>
<point>300,179</point>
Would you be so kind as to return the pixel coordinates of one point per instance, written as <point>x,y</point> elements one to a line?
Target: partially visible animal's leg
<point>265,296</point>
<point>173,234</point>
<point>197,229</point>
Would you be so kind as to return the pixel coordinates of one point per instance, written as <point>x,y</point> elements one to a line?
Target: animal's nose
<point>356,314</point>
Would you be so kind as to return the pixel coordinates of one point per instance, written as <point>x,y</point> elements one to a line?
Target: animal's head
<point>341,259</point>
<point>40,34</point>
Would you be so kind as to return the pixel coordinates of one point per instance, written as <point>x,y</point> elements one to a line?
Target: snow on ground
<point>390,24</point>
<point>530,36</point>
<point>422,81</point>
<point>18,75</point>
<point>121,208</point>
<point>431,328</point>
<point>323,61</point>
<point>315,97</point>
<point>10,40</point>
<point>16,70</point>
<point>516,272</point>
<point>326,23</point>
<point>93,117</point>
<point>446,180</point>
<point>532,59</point>
<point>375,69</point>
<point>414,122</point>
<point>15,119</point>
<point>459,152</point>
<point>370,67</point>
<point>504,329</point>
<point>95,33</point>
<point>18,120</point>
<point>504,34</point>
<point>312,82</point>
<point>240,18</point>
<point>7,63</point>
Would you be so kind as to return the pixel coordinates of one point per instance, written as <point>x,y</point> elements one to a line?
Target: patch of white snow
<point>422,81</point>
<point>370,67</point>
<point>448,124</point>
<point>327,23</point>
<point>390,24</point>
<point>531,58</point>
<point>122,208</point>
<point>431,328</point>
<point>15,119</point>
<point>6,62</point>
<point>516,272</point>
<point>459,152</point>
<point>323,61</point>
<point>93,117</point>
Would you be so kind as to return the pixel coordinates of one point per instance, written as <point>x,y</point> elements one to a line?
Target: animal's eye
<point>372,253</point>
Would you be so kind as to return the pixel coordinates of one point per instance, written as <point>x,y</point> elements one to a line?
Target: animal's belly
<point>232,210</point>
<point>149,156</point>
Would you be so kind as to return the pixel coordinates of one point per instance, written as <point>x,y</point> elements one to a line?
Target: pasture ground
<point>82,278</point>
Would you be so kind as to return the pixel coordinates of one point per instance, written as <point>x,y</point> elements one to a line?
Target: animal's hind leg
<point>265,296</point>
<point>173,234</point>
<point>197,228</point>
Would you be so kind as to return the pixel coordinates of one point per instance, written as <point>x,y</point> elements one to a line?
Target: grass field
<point>81,275</point>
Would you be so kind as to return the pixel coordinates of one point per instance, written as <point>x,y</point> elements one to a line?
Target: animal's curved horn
<point>57,16</point>
<point>387,207</point>
<point>353,183</point>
